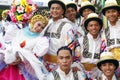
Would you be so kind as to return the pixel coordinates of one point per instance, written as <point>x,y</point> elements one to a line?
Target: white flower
<point>20,9</point>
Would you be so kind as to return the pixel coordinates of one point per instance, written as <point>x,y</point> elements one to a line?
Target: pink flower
<point>20,9</point>
<point>13,9</point>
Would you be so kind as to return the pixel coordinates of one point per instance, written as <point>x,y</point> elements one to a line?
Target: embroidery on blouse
<point>55,35</point>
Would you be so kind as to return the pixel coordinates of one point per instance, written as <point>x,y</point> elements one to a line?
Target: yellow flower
<point>19,17</point>
<point>23,2</point>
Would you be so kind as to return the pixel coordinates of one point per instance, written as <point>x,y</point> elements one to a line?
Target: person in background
<point>71,14</point>
<point>111,35</point>
<point>108,65</point>
<point>64,71</point>
<point>59,30</point>
<point>85,9</point>
<point>22,56</point>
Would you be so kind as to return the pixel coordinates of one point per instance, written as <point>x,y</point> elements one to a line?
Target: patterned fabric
<point>55,35</point>
<point>57,77</point>
<point>87,54</point>
<point>50,66</point>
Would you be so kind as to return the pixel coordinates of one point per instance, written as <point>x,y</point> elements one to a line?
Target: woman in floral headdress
<point>26,47</point>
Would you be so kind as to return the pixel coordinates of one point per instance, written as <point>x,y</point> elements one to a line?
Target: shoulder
<point>50,76</point>
<point>81,75</point>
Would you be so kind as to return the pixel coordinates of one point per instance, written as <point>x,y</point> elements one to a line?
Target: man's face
<point>112,15</point>
<point>56,11</point>
<point>71,14</point>
<point>86,12</point>
<point>93,28</point>
<point>64,59</point>
<point>108,69</point>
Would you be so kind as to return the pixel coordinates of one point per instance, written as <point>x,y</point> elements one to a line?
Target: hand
<point>75,69</point>
<point>17,61</point>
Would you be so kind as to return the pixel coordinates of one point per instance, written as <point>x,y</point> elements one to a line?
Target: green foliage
<point>118,2</point>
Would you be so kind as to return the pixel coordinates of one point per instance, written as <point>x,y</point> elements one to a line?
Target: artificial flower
<point>20,9</point>
<point>28,9</point>
<point>19,17</point>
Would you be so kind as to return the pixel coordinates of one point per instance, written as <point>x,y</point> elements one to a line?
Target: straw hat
<point>107,57</point>
<point>71,4</point>
<point>58,2</point>
<point>84,5</point>
<point>90,17</point>
<point>110,4</point>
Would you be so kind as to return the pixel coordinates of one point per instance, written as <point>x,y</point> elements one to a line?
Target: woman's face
<point>56,11</point>
<point>108,69</point>
<point>38,27</point>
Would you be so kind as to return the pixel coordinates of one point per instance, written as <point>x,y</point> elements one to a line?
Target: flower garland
<point>22,12</point>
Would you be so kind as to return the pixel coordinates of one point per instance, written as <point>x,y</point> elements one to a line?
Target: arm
<point>50,76</point>
<point>41,46</point>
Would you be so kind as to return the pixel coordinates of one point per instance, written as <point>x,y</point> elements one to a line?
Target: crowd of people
<point>61,45</point>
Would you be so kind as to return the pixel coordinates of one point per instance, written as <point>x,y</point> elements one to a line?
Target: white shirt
<point>64,39</point>
<point>105,78</point>
<point>94,47</point>
<point>69,76</point>
<point>114,33</point>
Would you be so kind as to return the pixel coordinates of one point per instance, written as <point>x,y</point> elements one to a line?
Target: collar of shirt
<point>63,73</point>
<point>91,37</point>
<point>105,78</point>
<point>116,25</point>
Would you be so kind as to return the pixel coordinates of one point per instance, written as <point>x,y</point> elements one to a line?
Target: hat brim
<point>93,19</point>
<point>110,7</point>
<point>72,5</point>
<point>58,2</point>
<point>115,62</point>
<point>85,7</point>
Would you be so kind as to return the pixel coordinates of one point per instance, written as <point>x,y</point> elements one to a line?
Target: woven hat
<point>72,5</point>
<point>85,5</point>
<point>91,17</point>
<point>58,2</point>
<point>107,57</point>
<point>110,4</point>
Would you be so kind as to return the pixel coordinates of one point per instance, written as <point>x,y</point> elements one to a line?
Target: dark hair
<point>64,48</point>
<point>115,62</point>
<point>71,5</point>
<point>8,18</point>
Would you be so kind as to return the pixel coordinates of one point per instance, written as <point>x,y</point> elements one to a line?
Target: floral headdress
<point>22,11</point>
<point>39,16</point>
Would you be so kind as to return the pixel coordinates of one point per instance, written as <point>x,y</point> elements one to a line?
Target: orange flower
<point>28,9</point>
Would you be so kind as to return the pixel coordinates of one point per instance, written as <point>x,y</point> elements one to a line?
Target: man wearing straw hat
<point>84,11</point>
<point>90,46</point>
<point>112,33</point>
<point>108,64</point>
